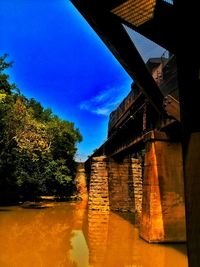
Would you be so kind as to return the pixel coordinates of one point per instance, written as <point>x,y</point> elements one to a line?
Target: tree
<point>37,148</point>
<point>4,83</point>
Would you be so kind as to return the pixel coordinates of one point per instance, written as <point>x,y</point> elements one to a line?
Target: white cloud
<point>102,111</point>
<point>107,100</point>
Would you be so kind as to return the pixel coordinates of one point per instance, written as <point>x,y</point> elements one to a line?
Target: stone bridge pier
<point>163,206</point>
<point>154,191</point>
<point>115,184</point>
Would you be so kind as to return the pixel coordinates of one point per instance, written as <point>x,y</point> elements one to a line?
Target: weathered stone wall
<point>115,185</point>
<point>98,190</point>
<point>121,191</point>
<point>80,180</point>
<point>136,175</point>
<point>163,208</point>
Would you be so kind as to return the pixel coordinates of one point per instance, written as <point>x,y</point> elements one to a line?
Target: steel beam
<point>118,41</point>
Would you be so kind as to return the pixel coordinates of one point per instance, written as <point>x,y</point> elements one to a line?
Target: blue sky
<point>61,62</point>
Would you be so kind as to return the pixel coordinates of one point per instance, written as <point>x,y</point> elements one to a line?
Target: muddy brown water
<point>67,235</point>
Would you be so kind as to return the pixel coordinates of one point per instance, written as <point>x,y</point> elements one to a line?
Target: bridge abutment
<point>163,208</point>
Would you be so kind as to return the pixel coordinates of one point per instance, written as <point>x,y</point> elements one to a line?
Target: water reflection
<point>79,252</point>
<point>33,238</point>
<point>122,247</point>
<point>65,235</point>
<point>97,236</point>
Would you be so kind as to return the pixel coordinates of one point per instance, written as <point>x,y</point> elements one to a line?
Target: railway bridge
<point>150,161</point>
<point>139,168</point>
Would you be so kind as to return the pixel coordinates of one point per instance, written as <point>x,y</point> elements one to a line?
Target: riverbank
<point>37,201</point>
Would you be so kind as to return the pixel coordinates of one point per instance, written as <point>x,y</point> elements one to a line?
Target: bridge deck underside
<point>175,28</point>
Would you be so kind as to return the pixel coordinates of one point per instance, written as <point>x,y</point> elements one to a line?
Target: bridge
<point>142,160</point>
<point>149,163</point>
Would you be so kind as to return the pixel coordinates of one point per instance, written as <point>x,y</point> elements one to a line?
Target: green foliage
<point>37,148</point>
<point>4,84</point>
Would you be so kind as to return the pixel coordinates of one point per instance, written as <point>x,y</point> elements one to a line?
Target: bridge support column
<point>81,184</point>
<point>115,184</point>
<point>136,175</point>
<point>121,190</point>
<point>163,208</point>
<point>98,191</point>
<point>125,185</point>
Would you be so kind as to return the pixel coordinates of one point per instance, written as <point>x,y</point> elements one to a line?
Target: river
<point>67,235</point>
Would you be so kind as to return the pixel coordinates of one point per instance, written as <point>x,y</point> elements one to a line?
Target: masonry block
<point>163,207</point>
<point>135,172</point>
<point>98,190</point>
<point>81,184</point>
<point>121,190</point>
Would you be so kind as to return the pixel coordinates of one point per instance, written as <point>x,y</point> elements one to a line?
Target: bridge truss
<point>173,24</point>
